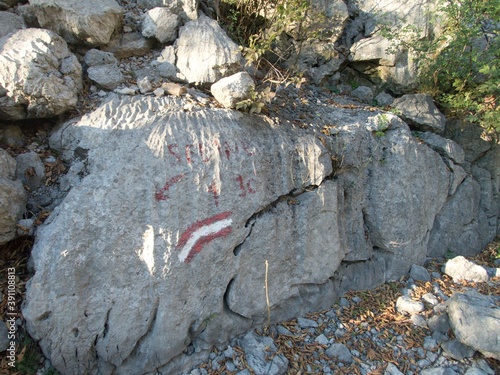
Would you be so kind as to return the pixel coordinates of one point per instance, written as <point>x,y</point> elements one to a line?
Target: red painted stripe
<point>197,225</point>
<point>206,239</point>
<point>160,195</point>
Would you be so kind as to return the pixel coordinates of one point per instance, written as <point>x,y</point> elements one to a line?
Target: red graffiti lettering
<point>212,188</point>
<point>161,195</point>
<point>176,155</point>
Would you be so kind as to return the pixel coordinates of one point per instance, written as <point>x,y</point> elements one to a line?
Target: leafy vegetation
<point>460,66</point>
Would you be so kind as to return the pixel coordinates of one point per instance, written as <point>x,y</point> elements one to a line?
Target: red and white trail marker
<point>202,232</point>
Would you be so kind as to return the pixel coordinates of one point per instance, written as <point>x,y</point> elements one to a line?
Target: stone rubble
<point>322,340</point>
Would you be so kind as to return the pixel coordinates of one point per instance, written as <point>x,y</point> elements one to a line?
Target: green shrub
<point>460,67</point>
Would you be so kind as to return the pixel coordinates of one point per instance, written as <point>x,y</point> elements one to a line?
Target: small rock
<point>233,89</point>
<point>356,299</point>
<point>405,304</point>
<point>392,369</point>
<point>145,85</point>
<point>430,343</point>
<point>12,136</point>
<point>229,352</point>
<point>363,93</point>
<point>128,45</point>
<point>344,302</point>
<point>431,299</point>
<point>306,323</point>
<point>459,268</point>
<point>456,350</point>
<point>283,331</point>
<point>30,170</point>
<point>321,339</point>
<point>419,273</point>
<point>125,91</point>
<point>95,57</point>
<point>159,92</point>
<point>106,76</point>
<point>419,320</point>
<point>439,323</point>
<point>475,371</point>
<point>340,352</point>
<point>438,371</point>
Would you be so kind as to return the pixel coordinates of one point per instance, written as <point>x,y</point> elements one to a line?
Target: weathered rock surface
<point>444,146</point>
<point>12,198</point>
<point>205,53</point>
<point>420,111</point>
<point>186,8</point>
<point>89,22</point>
<point>6,4</point>
<point>41,76</point>
<point>160,23</point>
<point>222,196</point>
<point>233,89</point>
<point>9,23</point>
<point>475,320</point>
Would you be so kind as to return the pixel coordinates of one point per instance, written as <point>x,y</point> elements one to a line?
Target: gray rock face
<point>205,53</point>
<point>363,93</point>
<point>9,23</point>
<point>261,355</point>
<point>420,111</point>
<point>186,8</point>
<point>233,89</point>
<point>41,76</point>
<point>160,23</point>
<point>6,4</point>
<point>89,22</point>
<point>12,198</point>
<point>205,210</point>
<point>443,146</point>
<point>475,320</point>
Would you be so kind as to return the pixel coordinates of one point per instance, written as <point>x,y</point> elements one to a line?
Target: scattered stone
<point>430,298</point>
<point>283,331</point>
<point>456,350</point>
<point>161,24</point>
<point>430,343</point>
<point>305,323</point>
<point>89,22</point>
<point>419,320</point>
<point>438,371</point>
<point>173,89</point>
<point>260,352</point>
<point>340,352</point>
<point>321,339</point>
<point>95,57</point>
<point>475,320</point>
<point>405,304</point>
<point>344,302</point>
<point>25,227</point>
<point>363,93</point>
<point>30,170</point>
<point>11,136</point>
<point>168,70</point>
<point>475,371</point>
<point>392,369</point>
<point>10,23</point>
<point>12,197</point>
<point>419,273</point>
<point>159,92</point>
<point>106,76</point>
<point>356,300</point>
<point>218,56</point>
<point>420,111</point>
<point>145,85</point>
<point>459,268</point>
<point>42,77</point>
<point>126,91</point>
<point>233,89</point>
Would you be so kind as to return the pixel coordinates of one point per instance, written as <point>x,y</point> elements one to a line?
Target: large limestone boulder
<point>12,198</point>
<point>205,53</point>
<point>183,214</point>
<point>89,22</point>
<point>42,78</point>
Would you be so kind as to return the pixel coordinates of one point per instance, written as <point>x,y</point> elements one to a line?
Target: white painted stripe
<point>202,232</point>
